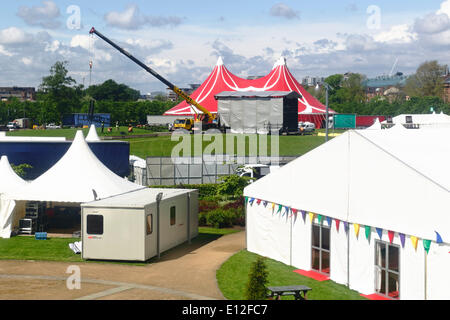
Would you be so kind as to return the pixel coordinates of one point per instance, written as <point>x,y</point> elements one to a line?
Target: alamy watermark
<point>374,19</point>
<point>74,280</point>
<point>73,22</point>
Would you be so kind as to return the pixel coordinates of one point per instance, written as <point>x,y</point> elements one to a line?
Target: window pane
<point>326,239</point>
<point>393,285</point>
<point>149,224</point>
<point>173,216</point>
<point>381,281</point>
<point>316,236</point>
<point>325,262</point>
<point>316,259</point>
<point>94,225</point>
<point>380,255</point>
<point>393,258</point>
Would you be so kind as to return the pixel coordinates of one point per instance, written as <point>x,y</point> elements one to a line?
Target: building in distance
<point>21,93</point>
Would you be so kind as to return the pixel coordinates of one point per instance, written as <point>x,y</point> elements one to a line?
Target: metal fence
<point>166,171</point>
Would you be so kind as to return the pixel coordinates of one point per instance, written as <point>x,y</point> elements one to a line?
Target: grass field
<point>232,278</point>
<point>56,249</point>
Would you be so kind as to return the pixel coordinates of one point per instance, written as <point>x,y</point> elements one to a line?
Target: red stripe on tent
<point>312,275</point>
<point>375,296</point>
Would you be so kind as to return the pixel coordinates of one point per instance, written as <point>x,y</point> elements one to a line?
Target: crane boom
<point>171,86</point>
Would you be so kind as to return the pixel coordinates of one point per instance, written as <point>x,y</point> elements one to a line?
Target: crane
<point>208,119</point>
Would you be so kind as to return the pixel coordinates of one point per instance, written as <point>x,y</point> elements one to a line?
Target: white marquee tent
<point>394,183</point>
<point>92,135</point>
<point>78,177</point>
<point>434,120</point>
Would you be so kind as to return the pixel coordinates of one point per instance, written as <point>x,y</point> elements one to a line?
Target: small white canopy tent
<point>395,180</point>
<point>92,135</point>
<point>78,177</point>
<point>9,181</point>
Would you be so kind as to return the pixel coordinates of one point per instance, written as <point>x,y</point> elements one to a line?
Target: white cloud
<point>14,35</point>
<point>132,19</point>
<point>45,16</point>
<point>397,34</point>
<point>284,11</point>
<point>5,52</point>
<point>26,61</point>
<point>445,8</point>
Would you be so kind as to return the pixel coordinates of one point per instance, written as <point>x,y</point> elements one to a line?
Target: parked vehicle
<point>306,127</point>
<point>256,171</point>
<point>52,126</point>
<point>12,125</point>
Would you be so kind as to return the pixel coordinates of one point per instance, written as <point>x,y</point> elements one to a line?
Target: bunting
<point>368,232</point>
<point>368,229</point>
<point>402,239</point>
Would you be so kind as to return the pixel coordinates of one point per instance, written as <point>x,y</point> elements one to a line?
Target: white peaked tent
<point>9,181</point>
<point>396,182</point>
<point>92,135</point>
<point>376,125</point>
<point>74,178</point>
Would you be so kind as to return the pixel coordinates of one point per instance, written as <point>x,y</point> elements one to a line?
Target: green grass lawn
<point>55,249</point>
<point>232,278</point>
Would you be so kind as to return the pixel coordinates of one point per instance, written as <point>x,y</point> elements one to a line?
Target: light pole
<point>327,88</point>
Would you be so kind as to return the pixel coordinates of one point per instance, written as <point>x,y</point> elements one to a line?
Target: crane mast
<point>208,115</point>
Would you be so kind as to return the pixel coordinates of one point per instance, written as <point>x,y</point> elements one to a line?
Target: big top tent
<point>279,79</point>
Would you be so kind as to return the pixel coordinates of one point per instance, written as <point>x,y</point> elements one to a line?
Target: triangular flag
<point>246,200</point>
<point>391,235</point>
<point>265,203</point>
<point>304,215</point>
<point>251,201</point>
<point>427,245</point>
<point>368,232</point>
<point>414,241</point>
<point>280,207</point>
<point>338,222</point>
<point>294,211</point>
<point>320,218</point>
<point>438,238</point>
<point>357,227</point>
<point>380,232</point>
<point>330,221</point>
<point>287,209</point>
<point>311,216</point>
<point>402,239</point>
<point>273,207</point>
<point>346,226</point>
<point>258,202</point>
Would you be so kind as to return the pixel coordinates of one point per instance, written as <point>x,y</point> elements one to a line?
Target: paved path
<point>182,274</point>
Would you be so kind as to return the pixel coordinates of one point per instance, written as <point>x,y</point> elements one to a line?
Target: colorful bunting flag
<point>438,238</point>
<point>427,245</point>
<point>330,221</point>
<point>391,235</point>
<point>346,226</point>
<point>251,201</point>
<point>357,227</point>
<point>303,215</point>
<point>287,210</point>
<point>246,200</point>
<point>273,207</point>
<point>258,202</point>
<point>402,239</point>
<point>380,232</point>
<point>320,218</point>
<point>414,241</point>
<point>265,203</point>
<point>338,222</point>
<point>280,207</point>
<point>368,232</point>
<point>311,216</point>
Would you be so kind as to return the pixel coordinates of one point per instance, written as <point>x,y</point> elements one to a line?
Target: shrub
<point>256,286</point>
<point>232,186</point>
<point>220,218</point>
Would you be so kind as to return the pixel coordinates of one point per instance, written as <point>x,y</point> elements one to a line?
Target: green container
<point>344,121</point>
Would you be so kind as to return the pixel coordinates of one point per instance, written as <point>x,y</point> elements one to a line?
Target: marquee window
<point>149,224</point>
<point>321,248</point>
<point>387,268</point>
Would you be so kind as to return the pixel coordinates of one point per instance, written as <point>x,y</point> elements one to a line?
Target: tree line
<point>59,94</point>
<point>421,93</point>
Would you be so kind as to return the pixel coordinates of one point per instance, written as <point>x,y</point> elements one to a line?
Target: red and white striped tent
<point>279,79</point>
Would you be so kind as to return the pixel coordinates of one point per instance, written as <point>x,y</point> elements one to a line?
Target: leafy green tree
<point>258,278</point>
<point>427,81</point>
<point>112,91</point>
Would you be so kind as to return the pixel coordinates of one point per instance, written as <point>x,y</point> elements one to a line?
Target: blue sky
<point>183,40</point>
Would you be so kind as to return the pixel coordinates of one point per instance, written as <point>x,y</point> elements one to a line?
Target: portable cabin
<point>138,225</point>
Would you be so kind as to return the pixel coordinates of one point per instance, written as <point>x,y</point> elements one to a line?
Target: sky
<point>182,40</point>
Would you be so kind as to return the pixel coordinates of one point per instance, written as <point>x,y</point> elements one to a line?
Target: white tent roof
<point>92,135</point>
<point>9,180</point>
<point>425,119</point>
<point>397,180</point>
<point>74,179</point>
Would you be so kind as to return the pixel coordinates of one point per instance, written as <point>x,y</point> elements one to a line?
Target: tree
<point>256,286</point>
<point>112,91</point>
<point>59,92</point>
<point>427,81</point>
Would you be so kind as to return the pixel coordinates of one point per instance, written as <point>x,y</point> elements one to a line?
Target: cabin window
<point>149,224</point>
<point>387,268</point>
<point>95,225</point>
<point>321,248</point>
<point>173,216</point>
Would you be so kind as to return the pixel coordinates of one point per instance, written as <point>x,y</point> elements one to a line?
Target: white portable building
<point>370,209</point>
<point>78,177</point>
<point>138,225</point>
